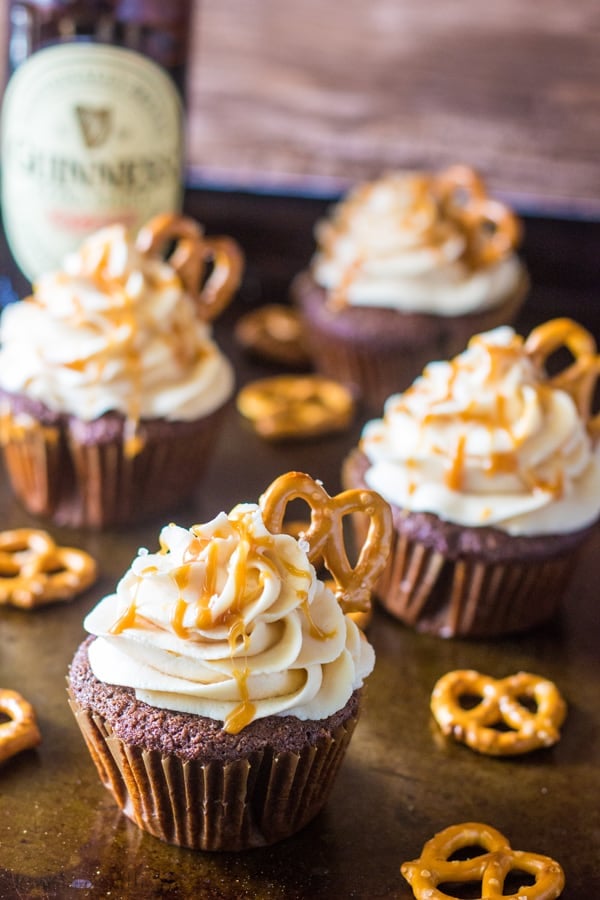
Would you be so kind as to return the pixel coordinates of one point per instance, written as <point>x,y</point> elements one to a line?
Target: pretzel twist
<point>295,406</point>
<point>435,867</point>
<point>35,571</point>
<point>21,731</point>
<point>325,535</point>
<point>274,332</point>
<point>491,229</point>
<point>500,702</point>
<point>580,377</point>
<point>190,256</point>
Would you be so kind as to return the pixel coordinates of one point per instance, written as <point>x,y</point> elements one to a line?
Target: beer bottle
<point>92,120</point>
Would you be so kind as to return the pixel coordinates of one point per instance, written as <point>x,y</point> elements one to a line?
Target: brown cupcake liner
<point>32,459</point>
<point>371,374</point>
<point>381,352</point>
<point>216,805</point>
<point>454,581</point>
<point>470,597</point>
<point>73,481</point>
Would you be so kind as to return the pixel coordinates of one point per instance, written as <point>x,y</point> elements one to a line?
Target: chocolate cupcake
<point>223,682</point>
<point>492,470</point>
<point>407,269</point>
<point>111,387</point>
<point>151,760</point>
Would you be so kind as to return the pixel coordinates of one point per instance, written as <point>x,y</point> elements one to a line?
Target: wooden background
<point>313,95</point>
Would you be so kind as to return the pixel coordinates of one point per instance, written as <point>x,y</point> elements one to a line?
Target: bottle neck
<point>159,31</point>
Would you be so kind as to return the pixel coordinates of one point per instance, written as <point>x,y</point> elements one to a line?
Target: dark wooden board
<point>319,94</point>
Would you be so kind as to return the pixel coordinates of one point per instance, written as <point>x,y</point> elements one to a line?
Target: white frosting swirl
<point>114,331</point>
<point>486,440</point>
<point>390,244</point>
<point>229,621</point>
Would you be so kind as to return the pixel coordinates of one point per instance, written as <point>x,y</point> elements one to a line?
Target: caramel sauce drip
<point>293,570</point>
<point>313,628</point>
<point>133,442</point>
<point>204,618</point>
<point>197,545</point>
<point>126,620</point>
<point>237,633</point>
<point>554,487</point>
<point>502,463</point>
<point>77,365</point>
<point>181,576</point>
<point>454,474</point>
<point>243,714</point>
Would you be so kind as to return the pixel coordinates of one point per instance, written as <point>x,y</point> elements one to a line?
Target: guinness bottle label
<point>91,134</point>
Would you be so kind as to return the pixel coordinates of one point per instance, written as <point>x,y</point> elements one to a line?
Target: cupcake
<point>111,386</point>
<point>492,469</point>
<point>222,681</point>
<point>407,269</point>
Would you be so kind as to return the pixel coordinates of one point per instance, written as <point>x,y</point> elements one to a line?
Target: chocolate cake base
<point>377,352</point>
<point>188,782</point>
<point>452,580</point>
<point>78,473</point>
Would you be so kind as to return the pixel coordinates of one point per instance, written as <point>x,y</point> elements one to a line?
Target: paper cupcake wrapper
<point>32,458</point>
<point>116,489</point>
<point>250,802</point>
<point>470,597</point>
<point>96,485</point>
<point>371,374</point>
<point>375,371</point>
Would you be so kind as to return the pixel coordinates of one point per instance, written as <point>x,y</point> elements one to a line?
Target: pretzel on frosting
<point>490,228</point>
<point>500,703</point>
<point>325,535</point>
<point>21,731</point>
<point>296,406</point>
<point>491,868</point>
<point>35,571</point>
<point>580,377</point>
<point>190,255</point>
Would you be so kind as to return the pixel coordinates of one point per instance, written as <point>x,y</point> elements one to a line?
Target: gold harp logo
<point>94,124</point>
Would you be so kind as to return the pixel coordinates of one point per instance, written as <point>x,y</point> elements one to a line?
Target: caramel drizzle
<point>129,618</point>
<point>455,198</point>
<point>315,632</point>
<point>318,633</point>
<point>237,636</point>
<point>243,713</point>
<point>454,474</point>
<point>338,297</point>
<point>501,462</point>
<point>120,327</point>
